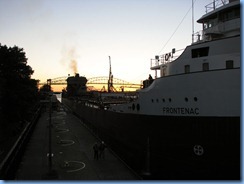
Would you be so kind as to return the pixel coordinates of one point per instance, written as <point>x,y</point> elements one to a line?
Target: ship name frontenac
<point>181,110</point>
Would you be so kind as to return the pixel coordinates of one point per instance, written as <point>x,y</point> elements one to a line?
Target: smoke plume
<point>73,66</point>
<point>69,59</point>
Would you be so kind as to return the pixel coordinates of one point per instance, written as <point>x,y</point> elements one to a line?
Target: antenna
<point>177,27</point>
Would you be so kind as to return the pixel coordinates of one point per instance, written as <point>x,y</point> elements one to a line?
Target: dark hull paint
<point>164,146</point>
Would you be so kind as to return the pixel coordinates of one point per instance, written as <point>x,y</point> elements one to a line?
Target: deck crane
<point>110,79</point>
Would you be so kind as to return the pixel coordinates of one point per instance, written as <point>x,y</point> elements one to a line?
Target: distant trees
<point>45,88</point>
<point>45,91</point>
<point>18,92</point>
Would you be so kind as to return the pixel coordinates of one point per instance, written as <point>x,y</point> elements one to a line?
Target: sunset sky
<point>61,37</point>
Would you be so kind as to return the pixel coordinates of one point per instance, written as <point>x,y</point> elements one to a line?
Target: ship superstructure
<point>198,81</point>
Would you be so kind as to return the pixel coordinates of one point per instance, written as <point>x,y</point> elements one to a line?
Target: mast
<point>192,21</point>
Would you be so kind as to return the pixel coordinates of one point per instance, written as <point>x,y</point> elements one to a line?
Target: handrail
<point>166,58</point>
<point>215,4</point>
<point>10,160</point>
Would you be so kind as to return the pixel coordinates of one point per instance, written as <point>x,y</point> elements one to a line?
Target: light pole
<point>51,173</point>
<point>50,136</point>
<point>49,81</point>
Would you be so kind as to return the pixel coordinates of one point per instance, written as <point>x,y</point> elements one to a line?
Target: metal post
<point>51,174</point>
<point>192,21</point>
<point>50,137</point>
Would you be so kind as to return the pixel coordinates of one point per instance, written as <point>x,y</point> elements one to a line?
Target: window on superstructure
<point>187,68</point>
<point>234,13</point>
<point>237,13</point>
<point>210,24</point>
<point>205,25</point>
<point>199,52</point>
<point>205,66</point>
<point>230,14</point>
<point>229,64</point>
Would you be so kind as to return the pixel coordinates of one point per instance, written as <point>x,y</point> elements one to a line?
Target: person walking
<point>95,149</point>
<point>102,147</point>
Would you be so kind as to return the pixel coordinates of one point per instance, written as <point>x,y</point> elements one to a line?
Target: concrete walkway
<point>72,152</point>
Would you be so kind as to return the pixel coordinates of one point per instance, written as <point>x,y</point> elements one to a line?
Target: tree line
<point>19,93</point>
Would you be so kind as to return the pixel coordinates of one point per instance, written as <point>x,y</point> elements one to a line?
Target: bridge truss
<point>97,81</point>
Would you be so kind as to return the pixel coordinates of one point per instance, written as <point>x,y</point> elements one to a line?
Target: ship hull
<point>169,147</point>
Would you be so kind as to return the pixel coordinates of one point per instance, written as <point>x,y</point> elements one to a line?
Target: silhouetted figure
<point>102,147</point>
<point>95,149</point>
<point>150,79</point>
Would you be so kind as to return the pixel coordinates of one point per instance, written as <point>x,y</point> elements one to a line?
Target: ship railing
<point>127,97</point>
<point>101,102</point>
<point>198,37</point>
<point>215,4</point>
<point>165,58</point>
<point>231,27</point>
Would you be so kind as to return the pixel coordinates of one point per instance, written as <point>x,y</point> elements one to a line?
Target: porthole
<point>133,107</point>
<point>229,64</point>
<point>187,68</point>
<point>163,100</point>
<point>170,100</point>
<point>157,100</point>
<point>138,107</point>
<point>195,99</point>
<point>152,100</point>
<point>186,99</point>
<point>205,66</point>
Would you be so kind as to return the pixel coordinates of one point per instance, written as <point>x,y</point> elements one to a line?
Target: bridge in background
<point>97,81</point>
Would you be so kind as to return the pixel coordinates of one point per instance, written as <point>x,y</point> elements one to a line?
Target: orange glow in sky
<point>63,37</point>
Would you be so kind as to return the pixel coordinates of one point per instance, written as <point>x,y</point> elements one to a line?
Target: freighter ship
<point>185,123</point>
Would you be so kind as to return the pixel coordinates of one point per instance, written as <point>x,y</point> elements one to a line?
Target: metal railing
<point>9,164</point>
<point>215,4</point>
<point>166,58</point>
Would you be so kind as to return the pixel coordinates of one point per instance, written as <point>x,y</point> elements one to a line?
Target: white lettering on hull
<point>181,110</point>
